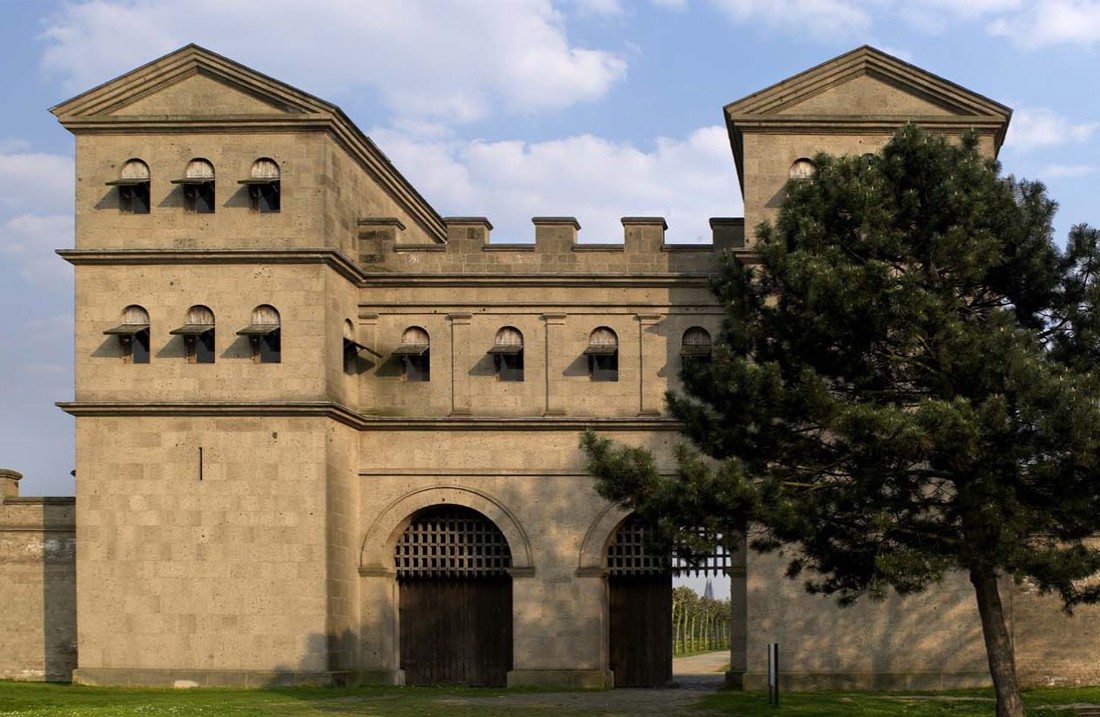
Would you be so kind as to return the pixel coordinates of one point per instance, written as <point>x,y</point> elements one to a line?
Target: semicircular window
<point>451,542</point>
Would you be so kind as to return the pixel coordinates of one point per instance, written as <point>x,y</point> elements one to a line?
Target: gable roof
<point>799,104</point>
<point>123,103</point>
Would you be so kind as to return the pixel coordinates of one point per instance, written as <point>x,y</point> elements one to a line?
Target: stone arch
<point>593,554</point>
<point>382,535</point>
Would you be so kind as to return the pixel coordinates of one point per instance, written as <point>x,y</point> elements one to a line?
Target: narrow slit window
<point>264,187</point>
<point>198,187</point>
<point>507,352</point>
<point>133,187</point>
<point>198,335</point>
<point>265,334</point>
<point>603,355</point>
<point>133,334</point>
<point>415,355</point>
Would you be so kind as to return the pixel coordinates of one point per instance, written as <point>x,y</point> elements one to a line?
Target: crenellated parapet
<point>556,249</point>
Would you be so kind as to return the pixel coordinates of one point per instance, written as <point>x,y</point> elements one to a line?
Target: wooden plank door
<point>456,632</point>
<point>640,610</point>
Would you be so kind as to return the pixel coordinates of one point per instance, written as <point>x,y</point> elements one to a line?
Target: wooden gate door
<point>456,632</point>
<point>639,610</point>
<point>455,599</point>
<point>641,630</point>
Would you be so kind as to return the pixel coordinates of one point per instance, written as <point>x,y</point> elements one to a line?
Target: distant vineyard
<point>699,624</point>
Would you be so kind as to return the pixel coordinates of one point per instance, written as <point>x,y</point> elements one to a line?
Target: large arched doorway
<point>455,599</point>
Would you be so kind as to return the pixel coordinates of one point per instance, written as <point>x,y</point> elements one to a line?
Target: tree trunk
<point>998,646</point>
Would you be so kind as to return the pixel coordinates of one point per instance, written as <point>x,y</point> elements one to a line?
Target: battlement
<point>9,483</point>
<point>556,248</point>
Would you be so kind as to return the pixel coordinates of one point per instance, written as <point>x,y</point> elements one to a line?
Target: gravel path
<point>695,677</point>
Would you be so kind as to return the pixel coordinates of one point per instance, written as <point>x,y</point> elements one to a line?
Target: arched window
<point>198,187</point>
<point>695,346</point>
<point>133,334</point>
<point>198,334</point>
<point>603,355</point>
<point>802,169</point>
<point>133,187</point>
<point>265,333</point>
<point>507,352</point>
<point>415,353</point>
<point>263,186</point>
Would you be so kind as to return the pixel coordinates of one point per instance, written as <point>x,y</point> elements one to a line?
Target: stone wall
<point>37,572</point>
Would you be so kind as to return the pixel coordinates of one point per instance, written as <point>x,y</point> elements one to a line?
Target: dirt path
<point>706,664</point>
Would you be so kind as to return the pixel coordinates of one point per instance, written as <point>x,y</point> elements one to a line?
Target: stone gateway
<point>326,435</point>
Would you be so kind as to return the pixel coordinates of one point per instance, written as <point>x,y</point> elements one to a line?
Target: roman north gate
<point>347,449</point>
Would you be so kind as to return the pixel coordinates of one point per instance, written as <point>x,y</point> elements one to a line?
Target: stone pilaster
<point>460,351</point>
<point>555,363</point>
<point>649,360</point>
<point>380,637</point>
<point>739,617</point>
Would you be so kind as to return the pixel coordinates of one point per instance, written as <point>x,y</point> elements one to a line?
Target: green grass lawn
<point>1040,703</point>
<point>29,699</point>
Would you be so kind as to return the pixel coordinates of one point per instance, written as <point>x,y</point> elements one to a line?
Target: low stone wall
<point>38,575</point>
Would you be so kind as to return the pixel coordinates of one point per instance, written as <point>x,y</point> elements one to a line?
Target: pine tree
<point>904,386</point>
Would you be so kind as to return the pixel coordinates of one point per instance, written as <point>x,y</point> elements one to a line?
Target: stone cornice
<point>330,257</point>
<point>345,415</point>
<point>522,423</point>
<point>787,124</point>
<point>353,272</point>
<point>660,280</point>
<point>305,409</point>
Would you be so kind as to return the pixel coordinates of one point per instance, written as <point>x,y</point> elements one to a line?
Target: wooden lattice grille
<point>630,555</point>
<point>452,542</point>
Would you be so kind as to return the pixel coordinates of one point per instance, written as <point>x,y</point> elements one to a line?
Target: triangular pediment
<point>200,95</point>
<point>191,82</point>
<point>868,94</point>
<point>862,92</point>
<point>866,82</point>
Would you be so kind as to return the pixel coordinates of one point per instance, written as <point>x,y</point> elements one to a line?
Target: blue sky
<point>508,109</point>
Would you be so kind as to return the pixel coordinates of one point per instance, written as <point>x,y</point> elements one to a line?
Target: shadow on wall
<point>339,651</point>
<point>58,591</point>
<point>37,585</point>
<point>930,640</point>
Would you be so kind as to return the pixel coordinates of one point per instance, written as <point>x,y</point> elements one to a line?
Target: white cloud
<point>32,181</point>
<point>36,200</point>
<point>30,239</point>
<point>1034,127</point>
<point>1051,22</point>
<point>595,179</point>
<point>1067,171</point>
<point>453,60</point>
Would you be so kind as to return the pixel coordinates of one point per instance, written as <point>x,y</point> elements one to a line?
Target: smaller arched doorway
<point>455,599</point>
<point>640,603</point>
<point>639,609</point>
